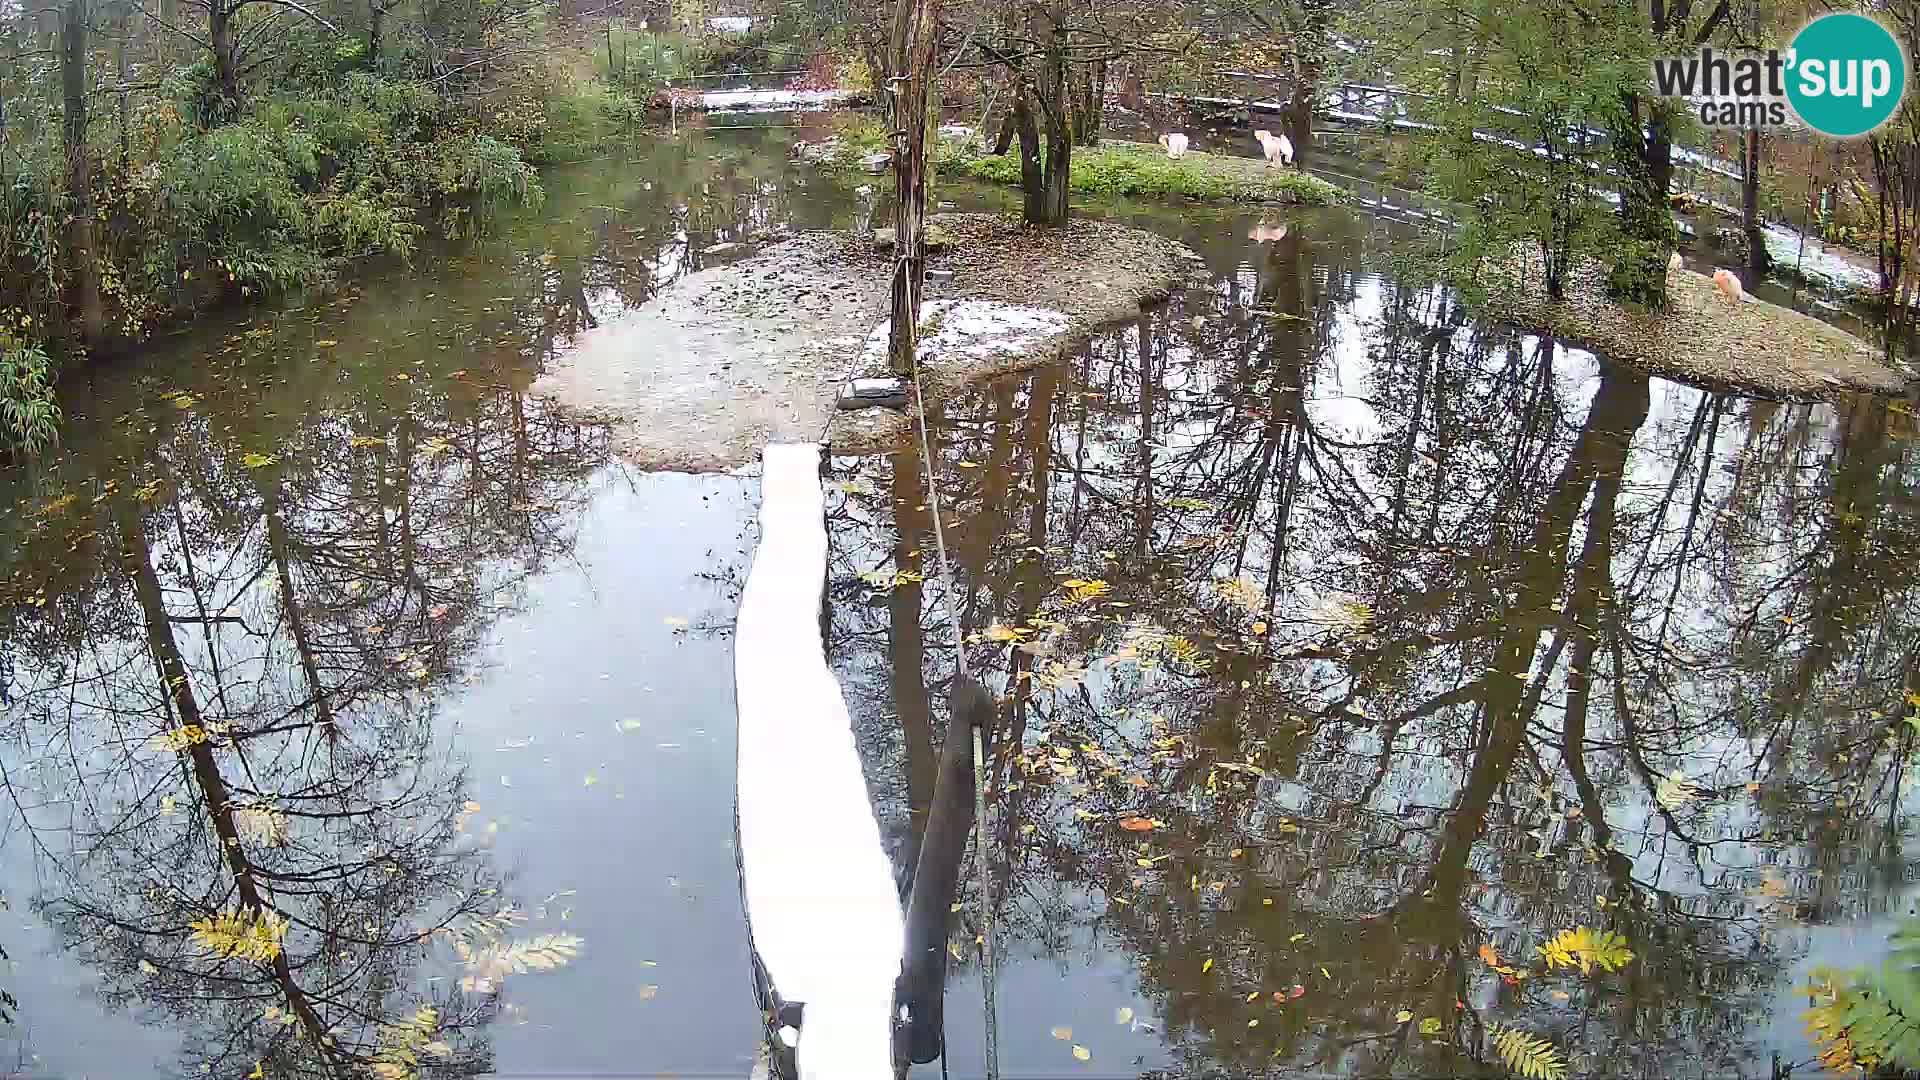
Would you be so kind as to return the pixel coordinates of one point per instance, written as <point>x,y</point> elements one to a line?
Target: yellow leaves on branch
<point>261,825</point>
<point>888,579</point>
<point>244,934</point>
<point>1526,1054</point>
<point>402,1045</point>
<point>1584,948</point>
<point>488,965</point>
<point>174,740</point>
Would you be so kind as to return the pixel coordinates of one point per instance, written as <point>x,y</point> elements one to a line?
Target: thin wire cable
<point>979,754</point>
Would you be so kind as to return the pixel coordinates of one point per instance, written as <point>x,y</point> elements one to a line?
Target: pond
<point>1355,651</point>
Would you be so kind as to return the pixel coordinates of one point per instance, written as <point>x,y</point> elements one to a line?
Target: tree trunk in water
<point>1757,259</point>
<point>1645,161</point>
<point>80,255</point>
<point>909,178</point>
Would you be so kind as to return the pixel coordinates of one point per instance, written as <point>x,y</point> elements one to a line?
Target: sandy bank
<point>1706,339</point>
<point>737,356</point>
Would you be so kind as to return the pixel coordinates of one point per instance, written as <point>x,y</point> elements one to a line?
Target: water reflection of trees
<point>227,625</point>
<point>1490,598</point>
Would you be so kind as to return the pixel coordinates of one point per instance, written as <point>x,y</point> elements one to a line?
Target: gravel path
<point>734,357</point>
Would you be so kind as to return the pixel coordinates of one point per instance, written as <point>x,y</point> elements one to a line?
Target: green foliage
<point>1870,1017</point>
<point>29,416</point>
<point>1524,165</point>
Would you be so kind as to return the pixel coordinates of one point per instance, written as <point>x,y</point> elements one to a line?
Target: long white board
<point>820,898</point>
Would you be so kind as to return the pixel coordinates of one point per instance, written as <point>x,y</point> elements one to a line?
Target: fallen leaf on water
<point>1136,824</point>
<point>1206,967</point>
<point>1235,853</point>
<point>648,991</point>
<point>1295,938</point>
<point>1063,1033</point>
<point>257,461</point>
<point>1403,1016</point>
<point>1560,996</point>
<point>147,968</point>
<point>1430,1026</point>
<point>505,781</point>
<point>1123,1015</point>
<point>1488,954</point>
<point>674,620</point>
<point>1296,992</point>
<point>326,343</point>
<point>1083,1053</point>
<point>591,780</point>
<point>1254,1022</point>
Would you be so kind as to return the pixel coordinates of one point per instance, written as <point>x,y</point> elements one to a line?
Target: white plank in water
<point>819,889</point>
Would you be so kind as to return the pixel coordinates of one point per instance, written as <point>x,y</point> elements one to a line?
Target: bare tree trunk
<point>1056,111</point>
<point>1757,259</point>
<point>80,255</point>
<point>915,68</point>
<point>226,62</point>
<point>1032,178</point>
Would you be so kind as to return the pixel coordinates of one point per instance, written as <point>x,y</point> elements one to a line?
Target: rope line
<point>979,754</point>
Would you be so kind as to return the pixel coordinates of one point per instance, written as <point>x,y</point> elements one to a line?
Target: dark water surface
<point>1405,637</point>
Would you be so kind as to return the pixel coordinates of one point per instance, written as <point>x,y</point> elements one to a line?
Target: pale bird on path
<point>1175,143</point>
<point>1278,148</point>
<point>1673,262</point>
<point>1728,285</point>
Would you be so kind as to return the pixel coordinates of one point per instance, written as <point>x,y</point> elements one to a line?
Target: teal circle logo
<point>1846,75</point>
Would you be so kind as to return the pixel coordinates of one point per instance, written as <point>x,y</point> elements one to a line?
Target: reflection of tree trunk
<point>278,548</point>
<point>172,671</point>
<point>1149,392</point>
<point>1031,584</point>
<point>1597,462</point>
<point>906,645</point>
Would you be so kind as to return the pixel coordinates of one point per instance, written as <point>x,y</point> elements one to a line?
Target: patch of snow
<point>1817,264</point>
<point>972,329</point>
<point>731,24</point>
<point>773,100</point>
<point>821,905</point>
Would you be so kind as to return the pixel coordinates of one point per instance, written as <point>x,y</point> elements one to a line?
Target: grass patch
<point>1133,169</point>
<point>1105,171</point>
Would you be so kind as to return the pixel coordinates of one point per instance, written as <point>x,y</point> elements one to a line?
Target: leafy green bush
<point>1870,1018</point>
<point>29,416</point>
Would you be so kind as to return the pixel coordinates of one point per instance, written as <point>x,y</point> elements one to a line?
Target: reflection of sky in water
<point>596,736</point>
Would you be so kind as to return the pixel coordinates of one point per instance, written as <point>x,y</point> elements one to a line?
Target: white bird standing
<point>1278,148</point>
<point>1673,262</point>
<point>1175,143</point>
<point>1729,286</point>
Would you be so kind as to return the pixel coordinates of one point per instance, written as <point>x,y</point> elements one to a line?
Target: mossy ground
<point>1110,169</point>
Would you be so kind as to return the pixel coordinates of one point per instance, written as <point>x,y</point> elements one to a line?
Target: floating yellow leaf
<point>998,632</point>
<point>1403,1016</point>
<point>261,825</point>
<point>326,343</point>
<point>1431,1026</point>
<point>257,461</point>
<point>1676,791</point>
<point>1079,592</point>
<point>1123,1015</point>
<point>649,992</point>
<point>1584,948</point>
<point>1488,953</point>
<point>1206,967</point>
<point>1063,1033</point>
<point>1082,1053</point>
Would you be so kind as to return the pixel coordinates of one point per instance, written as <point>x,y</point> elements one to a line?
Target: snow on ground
<point>1817,264</point>
<point>770,100</point>
<point>973,329</point>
